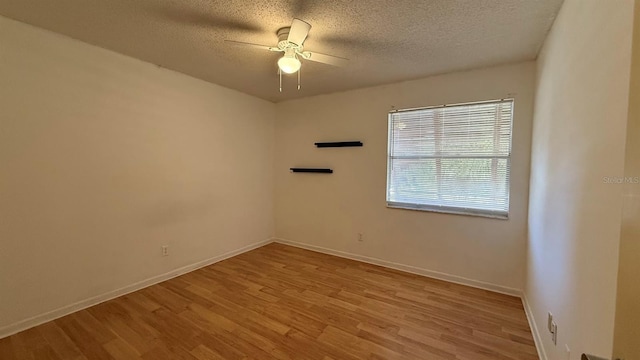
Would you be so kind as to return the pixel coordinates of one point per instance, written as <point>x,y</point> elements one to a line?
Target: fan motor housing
<point>283,35</point>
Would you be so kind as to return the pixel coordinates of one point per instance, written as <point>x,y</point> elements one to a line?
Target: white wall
<point>104,158</point>
<point>578,139</point>
<point>626,343</point>
<point>328,211</point>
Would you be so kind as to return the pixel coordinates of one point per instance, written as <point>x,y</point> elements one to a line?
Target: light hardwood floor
<point>281,302</point>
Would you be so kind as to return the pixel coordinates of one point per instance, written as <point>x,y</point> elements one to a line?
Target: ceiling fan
<point>291,43</point>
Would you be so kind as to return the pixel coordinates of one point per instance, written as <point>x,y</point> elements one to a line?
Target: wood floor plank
<point>59,341</point>
<point>281,302</point>
<point>121,350</point>
<point>202,352</point>
<point>90,347</point>
<point>7,351</point>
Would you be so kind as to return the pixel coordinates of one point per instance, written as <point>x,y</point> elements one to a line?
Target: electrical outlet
<point>360,237</point>
<point>165,250</point>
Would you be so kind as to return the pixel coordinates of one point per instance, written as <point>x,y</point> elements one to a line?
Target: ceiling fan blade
<point>325,59</point>
<point>257,46</point>
<point>193,17</point>
<point>352,42</point>
<point>298,32</point>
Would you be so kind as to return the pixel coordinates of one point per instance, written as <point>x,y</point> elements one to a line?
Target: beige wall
<point>578,139</point>
<point>104,158</point>
<point>328,211</point>
<point>627,327</point>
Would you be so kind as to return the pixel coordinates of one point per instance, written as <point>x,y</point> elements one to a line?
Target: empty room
<point>320,180</point>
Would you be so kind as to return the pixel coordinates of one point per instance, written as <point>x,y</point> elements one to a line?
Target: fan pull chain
<point>299,71</point>
<point>280,74</point>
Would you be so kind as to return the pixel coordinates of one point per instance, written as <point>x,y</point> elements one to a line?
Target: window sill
<point>452,211</point>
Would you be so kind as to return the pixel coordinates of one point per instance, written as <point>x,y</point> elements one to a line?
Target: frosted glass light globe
<point>289,64</point>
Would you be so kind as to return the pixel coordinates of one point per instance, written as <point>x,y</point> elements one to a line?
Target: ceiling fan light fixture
<point>289,63</point>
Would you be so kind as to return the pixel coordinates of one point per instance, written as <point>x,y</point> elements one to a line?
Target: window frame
<point>469,211</point>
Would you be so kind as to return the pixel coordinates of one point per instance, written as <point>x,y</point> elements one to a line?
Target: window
<point>451,158</point>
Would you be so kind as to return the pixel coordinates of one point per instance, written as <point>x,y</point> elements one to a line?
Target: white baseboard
<point>534,327</point>
<point>407,268</point>
<point>83,304</point>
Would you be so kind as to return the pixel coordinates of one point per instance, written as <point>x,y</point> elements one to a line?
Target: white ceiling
<point>385,40</point>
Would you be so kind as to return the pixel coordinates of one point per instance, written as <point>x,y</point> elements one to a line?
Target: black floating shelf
<point>311,170</point>
<point>338,144</point>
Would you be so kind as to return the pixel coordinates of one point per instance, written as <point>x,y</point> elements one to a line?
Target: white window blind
<point>452,158</point>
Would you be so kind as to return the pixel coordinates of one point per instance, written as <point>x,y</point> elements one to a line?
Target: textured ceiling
<point>385,40</point>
